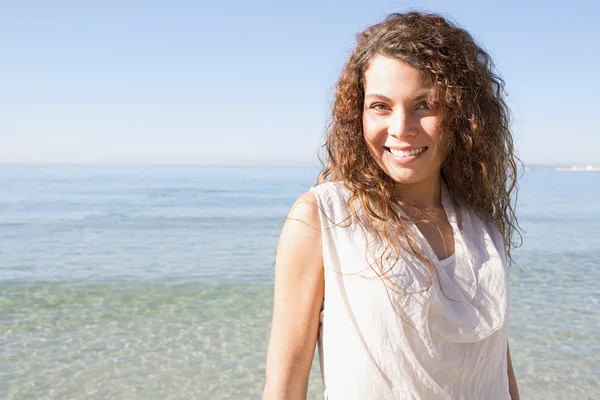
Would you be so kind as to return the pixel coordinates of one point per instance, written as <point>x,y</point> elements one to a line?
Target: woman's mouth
<point>396,153</point>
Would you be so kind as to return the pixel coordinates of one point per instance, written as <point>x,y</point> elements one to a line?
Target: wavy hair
<point>479,168</point>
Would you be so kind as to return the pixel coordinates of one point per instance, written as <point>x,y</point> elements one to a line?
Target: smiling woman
<point>400,128</point>
<point>395,263</point>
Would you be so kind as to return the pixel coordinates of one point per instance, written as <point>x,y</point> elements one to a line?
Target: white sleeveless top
<point>448,264</point>
<point>456,347</point>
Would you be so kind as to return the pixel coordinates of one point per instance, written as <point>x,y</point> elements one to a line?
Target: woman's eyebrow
<point>378,96</point>
<point>420,96</point>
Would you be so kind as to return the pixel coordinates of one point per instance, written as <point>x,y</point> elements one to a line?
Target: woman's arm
<point>299,286</point>
<point>513,388</point>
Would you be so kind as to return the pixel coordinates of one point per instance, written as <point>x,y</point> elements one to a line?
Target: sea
<point>156,282</point>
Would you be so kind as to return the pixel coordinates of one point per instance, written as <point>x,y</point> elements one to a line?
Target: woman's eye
<point>423,106</point>
<point>378,106</point>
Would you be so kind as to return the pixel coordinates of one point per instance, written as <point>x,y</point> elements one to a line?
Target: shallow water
<point>156,282</point>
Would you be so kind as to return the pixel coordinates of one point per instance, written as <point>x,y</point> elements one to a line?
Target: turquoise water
<point>156,282</point>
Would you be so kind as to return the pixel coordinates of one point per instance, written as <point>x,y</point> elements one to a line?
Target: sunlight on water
<point>138,283</point>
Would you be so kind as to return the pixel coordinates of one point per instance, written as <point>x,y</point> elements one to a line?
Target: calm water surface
<point>156,282</point>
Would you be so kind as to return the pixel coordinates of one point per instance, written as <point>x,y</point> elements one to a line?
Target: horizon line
<point>117,164</point>
<point>124,164</point>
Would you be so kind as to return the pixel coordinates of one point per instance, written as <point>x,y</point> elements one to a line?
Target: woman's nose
<point>401,125</point>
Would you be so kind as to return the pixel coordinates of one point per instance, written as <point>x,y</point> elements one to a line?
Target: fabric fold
<point>377,341</point>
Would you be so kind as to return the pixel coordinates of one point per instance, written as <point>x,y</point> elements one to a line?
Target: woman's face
<point>400,129</point>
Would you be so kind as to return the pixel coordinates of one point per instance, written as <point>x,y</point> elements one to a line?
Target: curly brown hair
<point>479,168</point>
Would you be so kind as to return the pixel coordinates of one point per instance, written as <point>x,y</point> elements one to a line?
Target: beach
<point>155,282</point>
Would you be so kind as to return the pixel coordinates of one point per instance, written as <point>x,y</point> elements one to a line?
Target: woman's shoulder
<point>331,190</point>
<point>332,199</point>
<point>306,210</point>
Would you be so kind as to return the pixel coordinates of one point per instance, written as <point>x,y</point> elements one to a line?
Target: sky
<point>251,82</point>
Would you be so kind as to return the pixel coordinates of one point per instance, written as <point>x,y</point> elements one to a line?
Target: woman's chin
<point>410,176</point>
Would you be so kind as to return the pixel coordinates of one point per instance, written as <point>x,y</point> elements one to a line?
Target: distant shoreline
<point>3,164</point>
<point>578,169</point>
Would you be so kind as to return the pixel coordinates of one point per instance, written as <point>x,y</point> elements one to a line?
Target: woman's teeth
<point>402,153</point>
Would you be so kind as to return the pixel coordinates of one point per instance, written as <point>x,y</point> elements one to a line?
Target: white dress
<point>456,347</point>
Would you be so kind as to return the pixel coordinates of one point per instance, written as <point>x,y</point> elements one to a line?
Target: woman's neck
<point>423,195</point>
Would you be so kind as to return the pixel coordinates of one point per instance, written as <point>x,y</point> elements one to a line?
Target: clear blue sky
<point>250,82</point>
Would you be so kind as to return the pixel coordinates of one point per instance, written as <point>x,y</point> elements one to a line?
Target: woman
<point>396,262</point>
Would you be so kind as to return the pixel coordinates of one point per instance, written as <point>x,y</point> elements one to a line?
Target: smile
<point>406,153</point>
